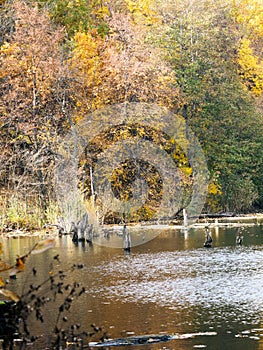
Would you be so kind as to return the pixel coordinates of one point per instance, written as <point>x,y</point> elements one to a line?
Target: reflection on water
<point>170,285</point>
<point>223,276</point>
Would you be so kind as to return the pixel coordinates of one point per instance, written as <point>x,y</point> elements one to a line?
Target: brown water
<point>209,298</point>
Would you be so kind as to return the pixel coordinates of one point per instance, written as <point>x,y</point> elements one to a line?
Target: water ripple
<point>220,278</point>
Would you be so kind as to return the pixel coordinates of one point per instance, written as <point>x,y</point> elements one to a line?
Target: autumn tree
<point>123,67</point>
<point>31,70</point>
<point>202,44</point>
<point>77,15</point>
<point>135,69</point>
<point>249,18</point>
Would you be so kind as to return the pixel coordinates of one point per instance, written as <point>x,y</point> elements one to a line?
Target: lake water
<point>207,298</point>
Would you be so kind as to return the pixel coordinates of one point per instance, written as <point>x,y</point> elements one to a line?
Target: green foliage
<point>78,15</point>
<point>239,194</point>
<point>202,47</point>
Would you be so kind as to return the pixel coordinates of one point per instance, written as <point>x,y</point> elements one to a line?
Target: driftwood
<point>179,216</point>
<point>217,215</point>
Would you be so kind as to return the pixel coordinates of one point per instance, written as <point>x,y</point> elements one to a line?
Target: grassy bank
<point>25,213</point>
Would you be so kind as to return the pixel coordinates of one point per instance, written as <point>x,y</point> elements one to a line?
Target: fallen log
<point>217,215</point>
<point>134,340</point>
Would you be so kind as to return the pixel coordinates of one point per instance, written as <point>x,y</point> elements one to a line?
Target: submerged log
<point>135,340</point>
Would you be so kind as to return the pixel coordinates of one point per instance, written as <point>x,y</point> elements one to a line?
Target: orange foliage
<point>30,63</point>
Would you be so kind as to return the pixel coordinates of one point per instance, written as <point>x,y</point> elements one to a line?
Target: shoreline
<point>225,221</point>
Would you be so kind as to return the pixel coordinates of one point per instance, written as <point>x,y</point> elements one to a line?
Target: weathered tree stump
<point>89,236</point>
<point>126,239</point>
<point>209,240</point>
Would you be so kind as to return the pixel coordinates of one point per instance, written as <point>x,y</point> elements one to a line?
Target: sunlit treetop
<point>143,11</point>
<point>78,15</point>
<point>249,16</point>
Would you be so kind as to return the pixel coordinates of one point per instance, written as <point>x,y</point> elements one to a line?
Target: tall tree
<point>30,70</point>
<point>202,44</point>
<point>121,67</point>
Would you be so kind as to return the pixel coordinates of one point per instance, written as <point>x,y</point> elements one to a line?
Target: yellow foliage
<point>8,53</point>
<point>214,189</point>
<point>213,197</point>
<point>186,170</point>
<point>249,14</point>
<point>85,49</point>
<point>251,67</point>
<point>142,10</point>
<point>85,66</point>
<point>102,12</point>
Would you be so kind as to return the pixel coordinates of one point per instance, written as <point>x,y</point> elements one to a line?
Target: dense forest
<point>61,60</point>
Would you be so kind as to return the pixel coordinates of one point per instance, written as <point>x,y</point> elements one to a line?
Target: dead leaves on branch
<point>2,282</point>
<point>19,266</point>
<point>9,295</point>
<point>42,246</point>
<point>4,266</point>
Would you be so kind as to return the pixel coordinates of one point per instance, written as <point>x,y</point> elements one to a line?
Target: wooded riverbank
<point>65,62</point>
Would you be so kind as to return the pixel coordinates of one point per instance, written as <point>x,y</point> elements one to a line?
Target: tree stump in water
<point>74,232</point>
<point>89,236</point>
<point>79,230</point>
<point>209,240</point>
<point>126,239</point>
